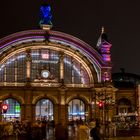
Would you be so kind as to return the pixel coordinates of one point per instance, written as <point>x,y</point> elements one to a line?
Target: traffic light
<point>100,105</point>
<point>4,108</point>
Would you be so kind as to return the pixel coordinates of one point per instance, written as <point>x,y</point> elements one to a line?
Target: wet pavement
<point>125,138</point>
<point>128,135</point>
<point>75,138</point>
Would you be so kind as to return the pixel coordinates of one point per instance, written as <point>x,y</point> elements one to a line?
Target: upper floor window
<point>14,69</point>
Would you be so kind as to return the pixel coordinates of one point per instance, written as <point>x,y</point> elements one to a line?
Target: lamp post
<point>103,100</point>
<point>107,96</point>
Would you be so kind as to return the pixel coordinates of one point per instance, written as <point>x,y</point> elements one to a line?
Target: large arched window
<point>76,110</point>
<point>14,69</point>
<point>45,59</point>
<point>74,72</point>
<point>124,106</point>
<point>44,109</point>
<point>13,111</point>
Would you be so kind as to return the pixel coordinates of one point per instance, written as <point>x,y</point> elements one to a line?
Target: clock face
<point>45,73</point>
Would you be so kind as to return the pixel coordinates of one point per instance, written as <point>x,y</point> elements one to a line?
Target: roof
<point>127,80</point>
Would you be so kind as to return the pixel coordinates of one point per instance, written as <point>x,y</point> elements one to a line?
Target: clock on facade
<point>45,73</point>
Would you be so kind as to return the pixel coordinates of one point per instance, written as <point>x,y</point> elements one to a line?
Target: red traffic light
<point>100,104</point>
<point>4,108</point>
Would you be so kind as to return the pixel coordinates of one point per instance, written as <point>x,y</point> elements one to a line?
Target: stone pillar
<point>22,112</point>
<point>61,66</point>
<point>88,112</point>
<point>33,116</point>
<point>62,114</point>
<point>56,113</point>
<point>16,72</point>
<point>5,76</point>
<point>28,107</point>
<point>93,103</point>
<point>28,112</point>
<point>28,66</point>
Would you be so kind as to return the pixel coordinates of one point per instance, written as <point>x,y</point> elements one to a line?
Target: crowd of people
<point>44,130</point>
<point>26,130</point>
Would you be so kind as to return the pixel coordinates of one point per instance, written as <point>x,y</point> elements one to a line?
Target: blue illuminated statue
<point>45,14</point>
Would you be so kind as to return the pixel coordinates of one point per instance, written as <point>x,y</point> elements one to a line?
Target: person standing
<point>83,131</point>
<point>43,129</point>
<point>95,132</point>
<point>61,132</point>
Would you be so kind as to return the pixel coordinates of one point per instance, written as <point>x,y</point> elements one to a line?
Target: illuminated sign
<point>4,108</point>
<point>45,56</point>
<point>17,108</point>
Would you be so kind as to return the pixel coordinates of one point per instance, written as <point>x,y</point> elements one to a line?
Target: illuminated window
<point>44,59</point>
<point>14,109</point>
<point>76,109</point>
<point>14,69</point>
<point>74,73</point>
<point>44,109</point>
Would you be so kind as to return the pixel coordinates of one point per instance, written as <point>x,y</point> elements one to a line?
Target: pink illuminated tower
<point>104,47</point>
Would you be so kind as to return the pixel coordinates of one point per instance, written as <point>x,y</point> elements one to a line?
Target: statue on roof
<point>45,14</point>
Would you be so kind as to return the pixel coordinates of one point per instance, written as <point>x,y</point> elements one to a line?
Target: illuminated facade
<point>127,99</point>
<point>53,75</point>
<point>61,70</point>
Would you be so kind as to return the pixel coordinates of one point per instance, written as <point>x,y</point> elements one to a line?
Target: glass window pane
<point>13,111</point>
<point>76,110</point>
<point>44,109</point>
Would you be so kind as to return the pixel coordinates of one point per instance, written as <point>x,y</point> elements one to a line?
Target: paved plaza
<point>125,138</point>
<point>75,138</point>
<point>128,135</point>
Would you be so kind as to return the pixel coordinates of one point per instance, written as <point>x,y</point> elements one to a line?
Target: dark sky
<point>83,19</point>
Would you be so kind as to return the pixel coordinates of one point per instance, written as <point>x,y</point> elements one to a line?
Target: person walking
<point>95,132</point>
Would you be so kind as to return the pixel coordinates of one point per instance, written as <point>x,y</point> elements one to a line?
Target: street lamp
<point>106,97</point>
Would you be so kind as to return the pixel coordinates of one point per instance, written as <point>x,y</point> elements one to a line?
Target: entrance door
<point>44,110</point>
<point>76,110</point>
<point>13,111</point>
<point>124,106</point>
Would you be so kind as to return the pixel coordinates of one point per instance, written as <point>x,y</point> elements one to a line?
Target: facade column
<point>5,76</point>
<point>92,107</point>
<point>61,66</point>
<point>33,109</point>
<point>56,113</point>
<point>88,112</point>
<point>15,72</point>
<point>29,107</point>
<point>28,65</point>
<point>63,113</point>
<point>22,111</point>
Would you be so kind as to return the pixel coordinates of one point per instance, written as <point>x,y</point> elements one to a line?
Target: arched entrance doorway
<point>76,110</point>
<point>124,106</point>
<point>13,111</point>
<point>44,110</point>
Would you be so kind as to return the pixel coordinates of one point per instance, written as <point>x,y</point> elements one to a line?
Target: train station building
<point>53,75</point>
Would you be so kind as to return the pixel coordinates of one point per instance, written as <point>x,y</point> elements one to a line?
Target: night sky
<point>83,19</point>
